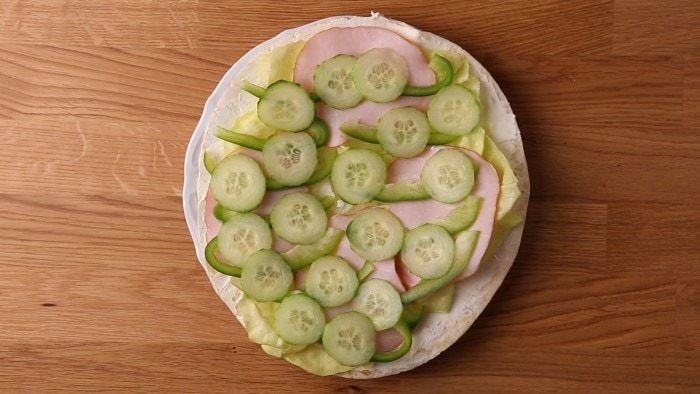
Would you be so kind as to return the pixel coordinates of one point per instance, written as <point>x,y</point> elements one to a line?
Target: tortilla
<point>437,331</point>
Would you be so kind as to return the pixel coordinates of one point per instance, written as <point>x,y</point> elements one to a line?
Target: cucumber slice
<point>405,331</point>
<point>462,217</point>
<point>448,175</point>
<point>244,140</point>
<point>210,161</point>
<point>360,131</point>
<point>375,234</point>
<point>265,276</point>
<point>243,235</point>
<point>402,191</point>
<point>443,77</point>
<point>238,183</point>
<point>290,158</point>
<point>222,214</point>
<point>367,268</point>
<point>333,82</point>
<point>464,247</point>
<point>428,251</point>
<point>380,74</point>
<point>379,300</point>
<point>286,106</point>
<point>301,256</point>
<point>403,131</point>
<point>210,253</point>
<point>453,110</point>
<point>299,218</point>
<point>319,132</point>
<point>299,320</point>
<point>357,175</point>
<point>331,281</point>
<point>350,338</point>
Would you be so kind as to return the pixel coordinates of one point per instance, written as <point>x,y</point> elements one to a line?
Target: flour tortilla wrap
<point>437,331</point>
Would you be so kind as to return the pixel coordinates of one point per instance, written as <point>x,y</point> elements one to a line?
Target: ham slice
<point>414,213</point>
<point>355,41</point>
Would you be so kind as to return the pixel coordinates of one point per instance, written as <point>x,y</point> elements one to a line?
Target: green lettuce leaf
<point>316,360</point>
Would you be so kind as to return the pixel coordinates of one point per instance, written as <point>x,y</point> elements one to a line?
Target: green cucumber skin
<point>210,162</point>
<point>360,131</point>
<point>405,331</point>
<point>402,191</point>
<point>365,271</point>
<point>462,217</point>
<point>319,132</point>
<point>244,140</point>
<point>214,262</point>
<point>255,90</point>
<point>368,134</point>
<point>301,256</point>
<point>222,214</point>
<point>464,247</point>
<point>441,139</point>
<point>444,73</point>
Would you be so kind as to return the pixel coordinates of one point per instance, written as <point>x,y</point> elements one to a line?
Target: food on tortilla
<point>352,197</point>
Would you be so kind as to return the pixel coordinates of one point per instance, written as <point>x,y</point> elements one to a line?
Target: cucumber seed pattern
<point>375,235</point>
<point>454,111</point>
<point>341,81</point>
<point>236,182</point>
<point>349,339</point>
<point>268,276</point>
<point>377,304</point>
<point>382,75</point>
<point>428,250</point>
<point>299,216</point>
<point>330,282</point>
<point>300,320</point>
<point>449,177</point>
<point>289,155</point>
<point>357,174</point>
<point>405,131</point>
<point>245,240</point>
<point>285,109</point>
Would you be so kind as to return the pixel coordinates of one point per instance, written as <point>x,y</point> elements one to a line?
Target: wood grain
<point>100,289</point>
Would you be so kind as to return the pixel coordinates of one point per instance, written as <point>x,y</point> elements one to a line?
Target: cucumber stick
<point>302,256</point>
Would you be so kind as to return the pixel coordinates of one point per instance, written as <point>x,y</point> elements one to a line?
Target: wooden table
<point>99,284</point>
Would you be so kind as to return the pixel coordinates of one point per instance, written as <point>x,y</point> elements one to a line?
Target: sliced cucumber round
<point>379,300</point>
<point>333,82</point>
<point>286,106</point>
<point>428,251</point>
<point>266,276</point>
<point>375,234</point>
<point>453,110</point>
<point>290,158</point>
<point>403,131</point>
<point>350,338</point>
<point>358,175</point>
<point>238,183</point>
<point>243,235</point>
<point>380,74</point>
<point>299,218</point>
<point>331,281</point>
<point>448,175</point>
<point>299,320</point>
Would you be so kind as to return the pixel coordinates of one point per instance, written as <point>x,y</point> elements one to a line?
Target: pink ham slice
<point>355,41</point>
<point>415,213</point>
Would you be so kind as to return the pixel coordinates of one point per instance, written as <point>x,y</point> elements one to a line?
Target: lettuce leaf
<point>316,360</point>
